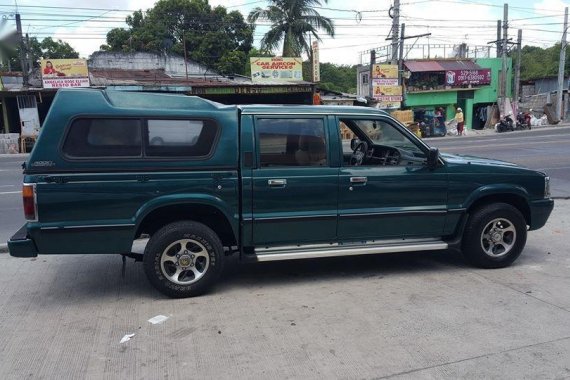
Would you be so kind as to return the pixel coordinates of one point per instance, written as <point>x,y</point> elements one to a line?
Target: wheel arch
<point>208,210</point>
<point>512,195</point>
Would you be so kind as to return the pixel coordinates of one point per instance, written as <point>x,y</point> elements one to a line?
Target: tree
<point>211,36</point>
<point>292,22</point>
<point>48,48</point>
<point>339,78</point>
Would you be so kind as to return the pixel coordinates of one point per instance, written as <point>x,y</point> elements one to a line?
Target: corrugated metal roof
<point>117,77</point>
<point>441,65</point>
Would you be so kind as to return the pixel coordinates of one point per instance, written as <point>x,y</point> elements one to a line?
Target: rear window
<point>104,138</point>
<point>109,137</point>
<point>180,138</point>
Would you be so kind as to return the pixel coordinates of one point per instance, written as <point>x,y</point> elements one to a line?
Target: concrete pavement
<point>419,315</point>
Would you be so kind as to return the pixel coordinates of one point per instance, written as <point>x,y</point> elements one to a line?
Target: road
<point>404,316</point>
<point>545,149</point>
<point>11,214</point>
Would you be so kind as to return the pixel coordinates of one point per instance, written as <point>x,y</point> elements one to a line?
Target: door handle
<point>358,180</point>
<point>277,182</point>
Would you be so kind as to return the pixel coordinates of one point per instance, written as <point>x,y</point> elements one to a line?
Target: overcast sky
<point>360,24</point>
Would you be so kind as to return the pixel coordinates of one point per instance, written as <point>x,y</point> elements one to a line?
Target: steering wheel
<point>359,153</point>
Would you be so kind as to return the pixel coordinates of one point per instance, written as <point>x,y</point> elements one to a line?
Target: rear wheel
<point>183,259</point>
<point>495,236</point>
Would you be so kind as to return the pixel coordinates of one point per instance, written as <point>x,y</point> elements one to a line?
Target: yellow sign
<point>387,90</point>
<point>380,71</point>
<point>60,73</point>
<point>276,69</point>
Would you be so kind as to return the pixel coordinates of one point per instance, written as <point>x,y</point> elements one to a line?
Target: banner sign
<point>316,64</point>
<point>385,82</point>
<point>385,88</point>
<point>272,69</point>
<point>380,71</point>
<point>461,77</point>
<point>60,73</point>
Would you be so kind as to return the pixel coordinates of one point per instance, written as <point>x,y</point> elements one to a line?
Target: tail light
<point>30,204</point>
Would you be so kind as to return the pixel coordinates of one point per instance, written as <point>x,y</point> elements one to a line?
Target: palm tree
<point>292,21</point>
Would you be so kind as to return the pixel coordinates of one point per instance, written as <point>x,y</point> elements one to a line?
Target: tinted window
<point>104,138</point>
<point>291,142</point>
<point>180,138</point>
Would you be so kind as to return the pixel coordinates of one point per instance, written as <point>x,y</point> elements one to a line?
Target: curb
<point>3,248</point>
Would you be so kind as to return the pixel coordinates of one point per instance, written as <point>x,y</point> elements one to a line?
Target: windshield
<point>382,133</point>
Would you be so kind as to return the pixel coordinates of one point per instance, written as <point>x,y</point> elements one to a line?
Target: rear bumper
<point>20,245</point>
<point>539,212</point>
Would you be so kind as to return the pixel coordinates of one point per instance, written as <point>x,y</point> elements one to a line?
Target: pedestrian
<point>460,121</point>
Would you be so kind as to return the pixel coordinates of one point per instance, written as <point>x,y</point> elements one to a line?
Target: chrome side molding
<point>333,250</point>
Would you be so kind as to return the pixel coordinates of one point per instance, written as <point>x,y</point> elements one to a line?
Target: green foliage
<point>211,36</point>
<point>292,22</point>
<point>339,78</point>
<point>47,49</point>
<point>538,63</point>
<point>255,53</point>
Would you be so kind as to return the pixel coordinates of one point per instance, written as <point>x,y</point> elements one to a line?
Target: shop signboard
<point>463,77</point>
<point>63,73</point>
<point>385,88</point>
<point>380,71</point>
<point>316,64</point>
<point>276,69</point>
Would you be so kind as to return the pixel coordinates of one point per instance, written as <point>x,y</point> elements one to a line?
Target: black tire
<point>195,237</point>
<point>474,243</point>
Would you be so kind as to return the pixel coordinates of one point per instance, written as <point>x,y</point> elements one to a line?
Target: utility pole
<point>504,76</point>
<point>370,73</point>
<point>23,61</point>
<point>395,26</point>
<point>401,54</point>
<point>518,67</point>
<point>185,56</point>
<point>499,26</point>
<point>561,65</point>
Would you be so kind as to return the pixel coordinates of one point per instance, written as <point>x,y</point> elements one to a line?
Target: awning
<point>440,65</point>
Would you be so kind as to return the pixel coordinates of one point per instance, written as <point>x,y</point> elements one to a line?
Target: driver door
<point>385,199</point>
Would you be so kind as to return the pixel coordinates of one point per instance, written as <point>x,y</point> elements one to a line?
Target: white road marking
<point>10,192</point>
<point>7,185</point>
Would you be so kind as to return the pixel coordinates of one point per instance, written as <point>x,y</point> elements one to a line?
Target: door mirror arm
<point>432,158</point>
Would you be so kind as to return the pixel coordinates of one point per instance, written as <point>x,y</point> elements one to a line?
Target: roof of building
<point>158,77</point>
<point>417,66</point>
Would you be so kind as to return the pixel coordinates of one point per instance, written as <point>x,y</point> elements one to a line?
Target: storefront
<point>433,86</point>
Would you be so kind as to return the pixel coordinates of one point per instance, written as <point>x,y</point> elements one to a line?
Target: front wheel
<point>495,236</point>
<point>183,259</point>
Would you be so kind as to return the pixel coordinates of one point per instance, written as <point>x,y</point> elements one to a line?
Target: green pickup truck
<point>203,181</point>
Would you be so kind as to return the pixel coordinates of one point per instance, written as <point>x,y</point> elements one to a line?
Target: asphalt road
<point>11,214</point>
<point>546,149</point>
<point>542,149</point>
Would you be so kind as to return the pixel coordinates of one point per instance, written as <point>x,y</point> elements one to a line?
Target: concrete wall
<point>173,65</point>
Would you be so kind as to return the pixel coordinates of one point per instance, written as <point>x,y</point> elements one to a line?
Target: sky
<point>360,24</point>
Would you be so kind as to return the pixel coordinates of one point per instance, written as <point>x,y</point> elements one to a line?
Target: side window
<point>180,138</point>
<point>104,137</point>
<point>389,145</point>
<point>291,142</point>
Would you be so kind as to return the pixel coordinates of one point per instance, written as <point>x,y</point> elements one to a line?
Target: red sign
<point>461,77</point>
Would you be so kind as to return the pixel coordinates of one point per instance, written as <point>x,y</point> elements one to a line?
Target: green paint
<point>96,206</point>
<point>449,98</point>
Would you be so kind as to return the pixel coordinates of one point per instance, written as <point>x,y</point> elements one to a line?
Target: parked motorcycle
<point>523,120</point>
<point>505,124</point>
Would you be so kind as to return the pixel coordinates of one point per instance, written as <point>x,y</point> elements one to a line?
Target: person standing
<point>460,121</point>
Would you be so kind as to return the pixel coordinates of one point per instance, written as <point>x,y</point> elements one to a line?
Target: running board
<point>332,250</point>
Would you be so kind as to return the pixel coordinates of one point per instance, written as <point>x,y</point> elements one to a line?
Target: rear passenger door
<point>295,189</point>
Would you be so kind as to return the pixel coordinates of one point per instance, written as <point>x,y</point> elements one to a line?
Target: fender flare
<point>184,199</point>
<point>495,189</point>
